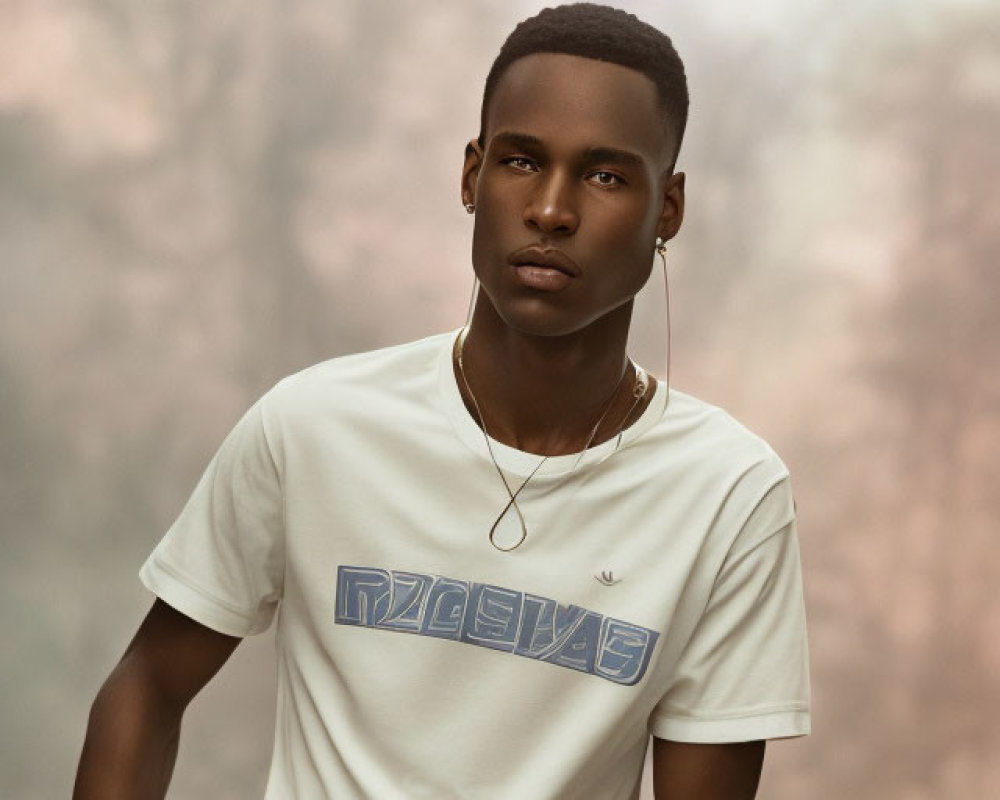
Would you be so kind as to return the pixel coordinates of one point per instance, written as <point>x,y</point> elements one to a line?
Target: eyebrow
<point>608,155</point>
<point>525,140</point>
<point>613,155</point>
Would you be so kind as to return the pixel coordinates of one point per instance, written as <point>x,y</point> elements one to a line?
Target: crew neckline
<point>519,462</point>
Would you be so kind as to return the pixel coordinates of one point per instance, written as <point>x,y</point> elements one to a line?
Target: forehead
<point>573,101</point>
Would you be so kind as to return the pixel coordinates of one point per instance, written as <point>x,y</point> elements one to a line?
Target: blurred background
<point>197,199</point>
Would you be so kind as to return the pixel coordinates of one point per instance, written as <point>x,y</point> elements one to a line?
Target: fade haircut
<point>604,34</point>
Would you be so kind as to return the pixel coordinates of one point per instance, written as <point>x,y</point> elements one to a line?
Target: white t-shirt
<point>658,591</point>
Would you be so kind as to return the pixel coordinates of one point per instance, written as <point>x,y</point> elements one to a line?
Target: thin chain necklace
<point>638,392</point>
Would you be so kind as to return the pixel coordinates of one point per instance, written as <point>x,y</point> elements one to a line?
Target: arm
<point>683,771</point>
<point>134,725</point>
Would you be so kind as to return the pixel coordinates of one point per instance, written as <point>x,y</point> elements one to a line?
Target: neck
<point>544,394</point>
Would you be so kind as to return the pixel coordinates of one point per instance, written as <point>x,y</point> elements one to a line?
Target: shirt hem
<point>192,602</point>
<point>772,725</point>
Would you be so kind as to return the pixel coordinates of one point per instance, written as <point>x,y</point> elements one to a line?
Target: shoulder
<point>707,440</point>
<point>385,386</point>
<point>724,475</point>
<point>351,378</point>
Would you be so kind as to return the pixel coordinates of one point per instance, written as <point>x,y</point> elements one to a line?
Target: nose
<point>551,208</point>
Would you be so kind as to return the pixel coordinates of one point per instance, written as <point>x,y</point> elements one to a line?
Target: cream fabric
<point>658,592</point>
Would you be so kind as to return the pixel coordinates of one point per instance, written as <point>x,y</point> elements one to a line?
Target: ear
<point>672,213</point>
<point>470,171</point>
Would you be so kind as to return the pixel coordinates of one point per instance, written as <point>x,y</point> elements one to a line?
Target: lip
<point>545,279</point>
<point>545,257</point>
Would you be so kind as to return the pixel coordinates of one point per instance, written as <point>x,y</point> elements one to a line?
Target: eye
<point>520,163</point>
<point>605,178</point>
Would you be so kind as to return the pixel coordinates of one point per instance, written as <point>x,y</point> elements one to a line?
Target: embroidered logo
<point>607,577</point>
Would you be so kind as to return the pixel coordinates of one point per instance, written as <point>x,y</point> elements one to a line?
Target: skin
<point>683,771</point>
<point>552,174</point>
<point>547,363</point>
<point>135,720</point>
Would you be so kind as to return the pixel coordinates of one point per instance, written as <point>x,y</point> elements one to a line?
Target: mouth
<point>544,259</point>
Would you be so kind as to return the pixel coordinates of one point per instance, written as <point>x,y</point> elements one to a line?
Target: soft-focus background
<point>199,198</point>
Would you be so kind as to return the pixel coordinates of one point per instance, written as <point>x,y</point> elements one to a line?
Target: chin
<point>540,316</point>
<point>531,325</point>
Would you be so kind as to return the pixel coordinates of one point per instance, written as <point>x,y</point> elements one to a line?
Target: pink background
<point>197,199</point>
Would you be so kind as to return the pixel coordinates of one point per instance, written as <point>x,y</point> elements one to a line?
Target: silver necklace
<point>638,392</point>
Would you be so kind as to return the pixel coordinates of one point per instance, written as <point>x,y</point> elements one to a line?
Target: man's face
<point>571,191</point>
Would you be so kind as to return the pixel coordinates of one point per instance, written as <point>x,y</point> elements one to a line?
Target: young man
<point>579,560</point>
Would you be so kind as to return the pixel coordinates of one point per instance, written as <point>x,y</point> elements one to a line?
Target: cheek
<point>498,202</point>
<point>628,232</point>
<point>627,277</point>
<point>498,220</point>
<point>489,235</point>
<point>626,247</point>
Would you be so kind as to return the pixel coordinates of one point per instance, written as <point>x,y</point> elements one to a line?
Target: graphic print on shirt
<point>491,616</point>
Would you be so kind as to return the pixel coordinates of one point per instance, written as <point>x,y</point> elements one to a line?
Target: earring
<point>472,300</point>
<point>661,251</point>
<point>470,207</point>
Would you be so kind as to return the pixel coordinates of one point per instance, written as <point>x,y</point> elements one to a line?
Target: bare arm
<point>135,721</point>
<point>683,771</point>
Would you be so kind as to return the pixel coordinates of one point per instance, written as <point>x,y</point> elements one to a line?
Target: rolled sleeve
<point>744,674</point>
<point>221,562</point>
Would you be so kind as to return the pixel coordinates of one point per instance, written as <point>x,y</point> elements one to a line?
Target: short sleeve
<point>221,562</point>
<point>744,674</point>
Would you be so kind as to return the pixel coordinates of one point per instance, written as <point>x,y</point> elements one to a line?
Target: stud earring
<point>661,245</point>
<point>470,207</point>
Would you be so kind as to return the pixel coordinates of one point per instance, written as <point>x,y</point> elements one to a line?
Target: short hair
<point>602,33</point>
